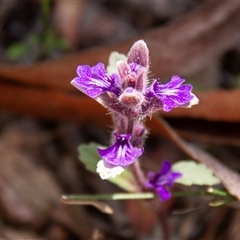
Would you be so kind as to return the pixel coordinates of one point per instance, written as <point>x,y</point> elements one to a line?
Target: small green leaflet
<point>194,173</point>
<point>89,156</point>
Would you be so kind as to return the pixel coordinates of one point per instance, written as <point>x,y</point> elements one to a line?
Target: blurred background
<point>43,119</point>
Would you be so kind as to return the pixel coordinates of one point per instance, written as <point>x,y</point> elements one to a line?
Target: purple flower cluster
<point>130,98</point>
<point>163,180</point>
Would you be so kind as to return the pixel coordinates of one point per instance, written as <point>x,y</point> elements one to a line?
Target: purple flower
<point>121,153</point>
<point>162,180</point>
<point>95,81</point>
<point>132,73</point>
<point>172,94</point>
<point>129,97</point>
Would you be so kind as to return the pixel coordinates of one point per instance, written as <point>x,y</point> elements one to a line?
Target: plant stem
<point>138,174</point>
<point>114,196</point>
<point>46,27</point>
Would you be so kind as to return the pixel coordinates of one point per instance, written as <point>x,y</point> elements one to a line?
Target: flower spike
<point>125,90</point>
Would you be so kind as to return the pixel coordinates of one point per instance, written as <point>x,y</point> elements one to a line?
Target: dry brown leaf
<point>183,47</point>
<point>24,197</point>
<point>51,104</point>
<point>29,193</point>
<point>13,233</point>
<point>145,224</point>
<point>58,105</point>
<point>43,89</point>
<point>216,105</point>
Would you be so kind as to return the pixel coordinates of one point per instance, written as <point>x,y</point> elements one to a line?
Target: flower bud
<point>138,134</point>
<point>139,54</point>
<point>123,69</point>
<point>141,79</point>
<point>131,97</point>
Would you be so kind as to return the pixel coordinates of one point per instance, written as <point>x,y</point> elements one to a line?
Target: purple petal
<point>99,70</point>
<point>175,82</point>
<point>166,167</point>
<point>172,178</point>
<point>121,153</point>
<point>94,81</point>
<point>171,94</point>
<point>163,193</point>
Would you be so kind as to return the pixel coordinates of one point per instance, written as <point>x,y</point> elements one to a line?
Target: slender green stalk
<point>218,192</point>
<point>115,196</point>
<point>46,27</point>
<point>188,194</point>
<point>45,13</point>
<point>208,192</point>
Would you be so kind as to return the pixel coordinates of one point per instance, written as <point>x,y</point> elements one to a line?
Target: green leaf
<point>125,181</point>
<point>16,50</point>
<point>194,173</point>
<point>90,157</point>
